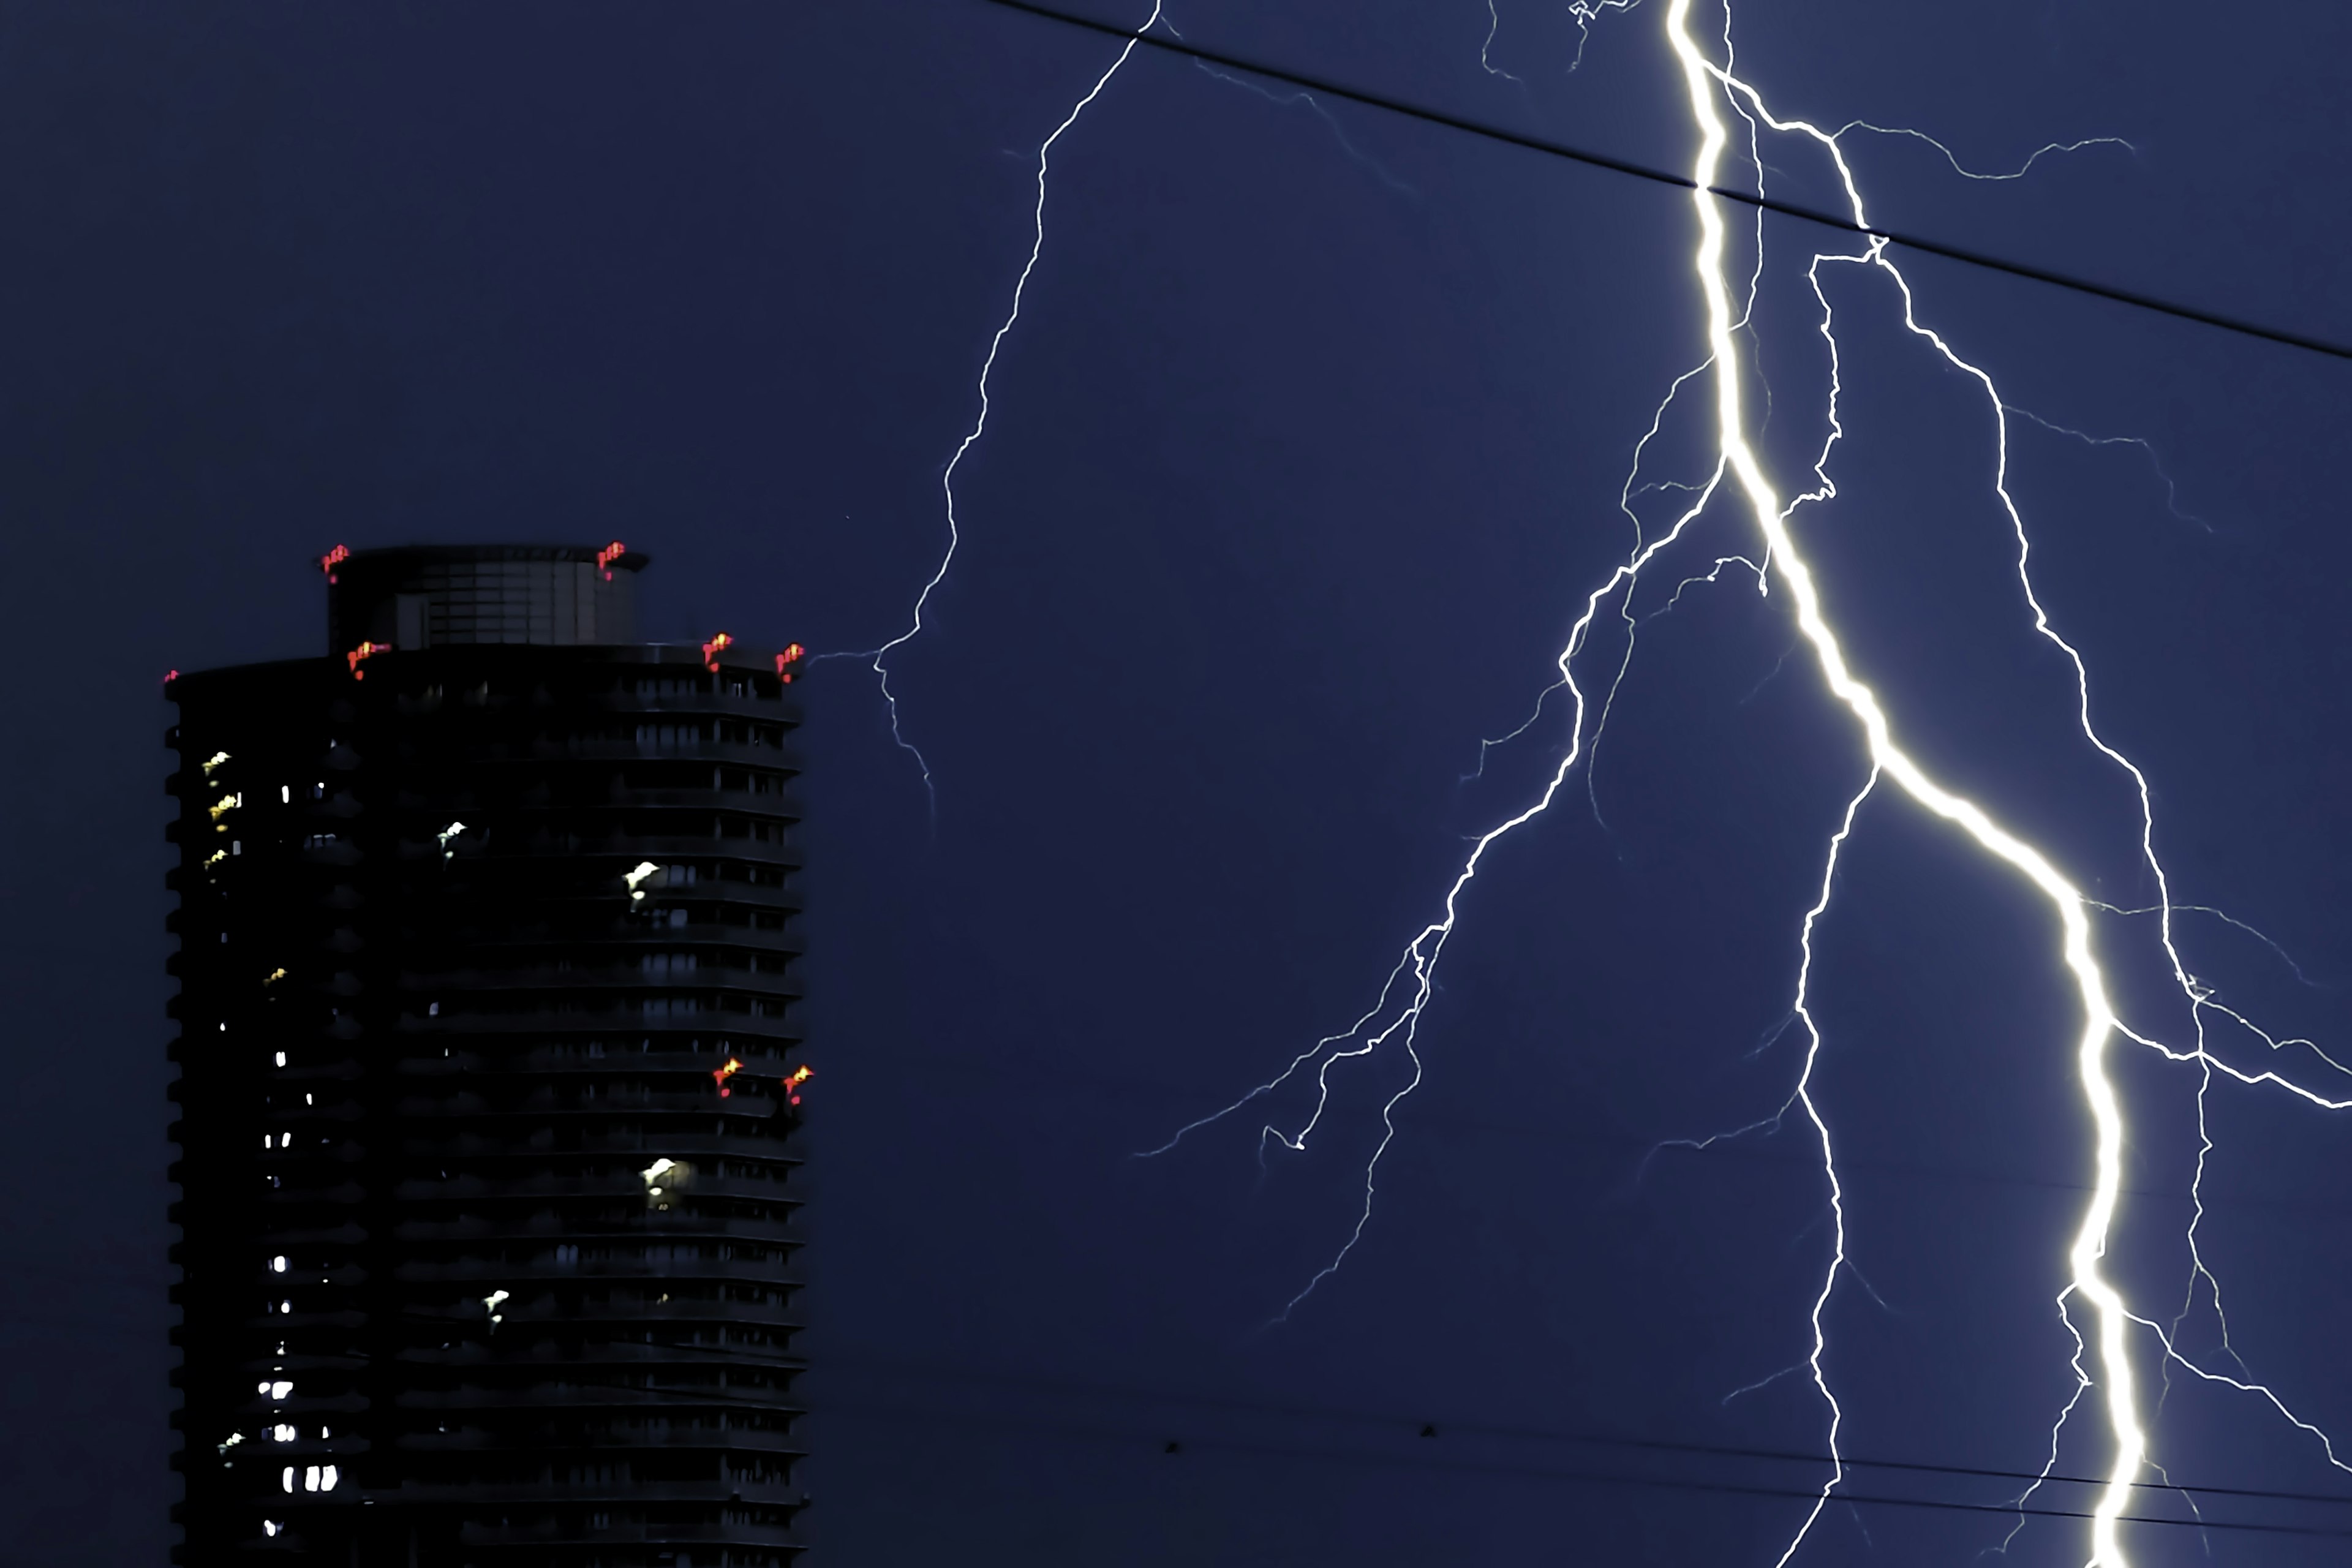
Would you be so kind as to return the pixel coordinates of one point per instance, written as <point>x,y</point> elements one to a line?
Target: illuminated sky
<point>1305,456</point>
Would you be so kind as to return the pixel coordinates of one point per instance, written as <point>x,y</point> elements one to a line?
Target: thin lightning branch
<point>1400,1020</point>
<point>1968,173</point>
<point>2226,918</point>
<point>1625,494</point>
<point>1804,1097</point>
<point>1494,26</point>
<point>2327,1444</point>
<point>2172,489</point>
<point>980,421</point>
<point>1585,13</point>
<point>2050,1465</point>
<point>1292,100</point>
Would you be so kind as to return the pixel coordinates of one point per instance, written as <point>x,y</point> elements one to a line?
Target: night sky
<point>1302,458</point>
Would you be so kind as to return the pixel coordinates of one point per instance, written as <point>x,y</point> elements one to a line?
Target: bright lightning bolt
<point>2102,1359</point>
<point>881,656</point>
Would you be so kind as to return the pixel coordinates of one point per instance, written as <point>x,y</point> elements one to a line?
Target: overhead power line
<point>1682,182</point>
<point>1113,1393</point>
<point>996,1421</point>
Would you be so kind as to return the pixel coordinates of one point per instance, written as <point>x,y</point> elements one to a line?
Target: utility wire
<point>1598,1478</point>
<point>1112,1394</point>
<point>800,1408</point>
<point>1684,182</point>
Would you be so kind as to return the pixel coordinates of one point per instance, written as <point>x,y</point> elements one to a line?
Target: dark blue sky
<point>1303,457</point>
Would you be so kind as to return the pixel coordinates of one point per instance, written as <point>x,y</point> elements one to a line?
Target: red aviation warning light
<point>332,559</point>
<point>793,653</point>
<point>798,1076</point>
<point>365,650</point>
<point>723,1074</point>
<point>713,648</point>
<point>606,556</point>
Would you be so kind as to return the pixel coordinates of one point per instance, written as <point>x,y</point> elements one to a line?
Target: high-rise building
<point>489,1079</point>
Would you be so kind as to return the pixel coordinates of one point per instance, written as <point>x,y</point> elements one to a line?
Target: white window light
<point>286,1140</point>
<point>280,1389</point>
<point>284,794</point>
<point>282,1433</point>
<point>278,1264</point>
<point>282,1059</point>
<point>287,1479</point>
<point>309,1477</point>
<point>327,1477</point>
<point>286,1306</point>
<point>270,1527</point>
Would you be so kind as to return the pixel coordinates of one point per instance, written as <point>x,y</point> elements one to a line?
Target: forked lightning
<point>2107,1359</point>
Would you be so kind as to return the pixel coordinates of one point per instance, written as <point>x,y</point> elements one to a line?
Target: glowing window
<point>278,1264</point>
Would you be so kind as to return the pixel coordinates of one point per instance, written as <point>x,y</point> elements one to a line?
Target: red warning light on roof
<point>713,648</point>
<point>793,653</point>
<point>365,650</point>
<point>170,676</point>
<point>606,556</point>
<point>332,559</point>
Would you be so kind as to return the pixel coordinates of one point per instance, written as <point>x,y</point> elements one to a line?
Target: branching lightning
<point>2103,1359</point>
<point>881,656</point>
<point>2102,1327</point>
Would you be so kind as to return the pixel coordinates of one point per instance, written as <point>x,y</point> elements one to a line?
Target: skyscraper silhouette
<point>488,1081</point>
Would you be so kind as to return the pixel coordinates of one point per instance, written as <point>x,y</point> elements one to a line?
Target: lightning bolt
<point>881,656</point>
<point>2103,1358</point>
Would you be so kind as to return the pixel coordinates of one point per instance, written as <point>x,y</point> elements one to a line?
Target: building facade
<point>490,1080</point>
